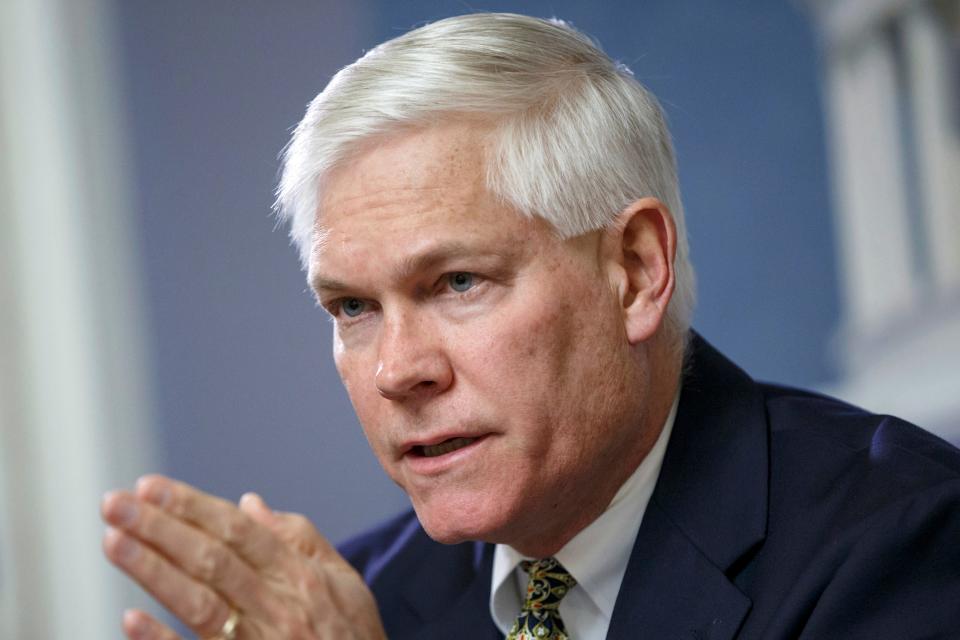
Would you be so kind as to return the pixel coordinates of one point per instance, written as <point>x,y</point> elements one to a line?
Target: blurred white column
<point>74,406</point>
<point>893,115</point>
<point>937,127</point>
<point>869,190</point>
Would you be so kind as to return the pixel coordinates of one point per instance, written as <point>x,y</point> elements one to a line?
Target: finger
<point>197,605</point>
<point>139,625</point>
<point>195,552</point>
<point>293,528</point>
<point>218,517</point>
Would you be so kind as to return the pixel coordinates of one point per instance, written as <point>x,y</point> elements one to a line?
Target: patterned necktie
<point>540,617</point>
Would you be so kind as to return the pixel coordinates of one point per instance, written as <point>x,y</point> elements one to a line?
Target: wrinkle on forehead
<point>321,236</point>
<point>418,170</point>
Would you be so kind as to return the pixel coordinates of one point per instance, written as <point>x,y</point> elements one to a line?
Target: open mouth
<point>434,450</point>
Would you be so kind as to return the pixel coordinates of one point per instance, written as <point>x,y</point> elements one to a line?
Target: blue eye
<point>352,307</point>
<point>460,281</point>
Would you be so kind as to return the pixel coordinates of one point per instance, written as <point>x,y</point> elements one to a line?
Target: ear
<point>645,244</point>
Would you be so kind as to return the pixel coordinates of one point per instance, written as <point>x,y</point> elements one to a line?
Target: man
<point>488,208</point>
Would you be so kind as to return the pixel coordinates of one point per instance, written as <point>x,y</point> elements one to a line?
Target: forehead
<point>402,193</point>
<point>445,161</point>
<point>451,151</point>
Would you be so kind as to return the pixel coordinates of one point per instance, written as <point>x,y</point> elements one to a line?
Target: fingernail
<point>154,492</point>
<point>124,512</point>
<point>124,548</point>
<point>251,497</point>
<point>135,625</point>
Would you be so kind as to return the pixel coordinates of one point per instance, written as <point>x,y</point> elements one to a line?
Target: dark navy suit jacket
<point>778,514</point>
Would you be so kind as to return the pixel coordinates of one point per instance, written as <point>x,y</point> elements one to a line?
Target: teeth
<point>446,447</point>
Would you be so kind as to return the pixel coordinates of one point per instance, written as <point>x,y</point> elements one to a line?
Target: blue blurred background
<point>203,355</point>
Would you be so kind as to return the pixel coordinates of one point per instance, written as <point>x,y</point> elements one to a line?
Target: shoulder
<point>864,513</point>
<point>413,578</point>
<point>820,441</point>
<point>373,549</point>
<point>399,548</point>
<point>820,416</point>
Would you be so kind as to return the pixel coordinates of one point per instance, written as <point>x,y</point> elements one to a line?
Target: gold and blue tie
<point>540,618</point>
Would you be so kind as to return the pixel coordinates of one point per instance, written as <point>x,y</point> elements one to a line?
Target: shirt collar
<point>597,556</point>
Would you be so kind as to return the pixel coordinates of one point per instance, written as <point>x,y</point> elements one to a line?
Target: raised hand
<point>213,563</point>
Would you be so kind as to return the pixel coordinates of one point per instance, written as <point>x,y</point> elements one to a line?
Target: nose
<point>412,362</point>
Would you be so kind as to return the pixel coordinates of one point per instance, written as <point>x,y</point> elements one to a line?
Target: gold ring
<point>229,629</point>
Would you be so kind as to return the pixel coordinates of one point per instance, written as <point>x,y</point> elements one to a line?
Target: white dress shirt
<point>597,556</point>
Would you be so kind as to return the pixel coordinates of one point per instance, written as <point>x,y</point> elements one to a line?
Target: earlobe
<point>647,239</point>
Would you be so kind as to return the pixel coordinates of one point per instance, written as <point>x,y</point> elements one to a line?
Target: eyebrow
<point>411,265</point>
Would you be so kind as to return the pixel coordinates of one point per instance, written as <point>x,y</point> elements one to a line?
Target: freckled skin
<point>536,355</point>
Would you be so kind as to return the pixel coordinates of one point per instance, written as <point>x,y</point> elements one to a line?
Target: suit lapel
<point>671,590</point>
<point>707,514</point>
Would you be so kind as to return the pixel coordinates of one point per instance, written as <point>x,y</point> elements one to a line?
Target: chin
<point>462,521</point>
<point>451,529</point>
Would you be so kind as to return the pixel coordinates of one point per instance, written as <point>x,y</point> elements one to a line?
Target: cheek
<point>546,341</point>
<point>573,355</point>
<point>527,363</point>
<point>523,348</point>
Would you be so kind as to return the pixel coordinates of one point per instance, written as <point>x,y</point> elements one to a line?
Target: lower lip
<point>430,466</point>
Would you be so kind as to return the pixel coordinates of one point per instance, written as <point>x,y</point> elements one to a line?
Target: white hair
<point>575,138</point>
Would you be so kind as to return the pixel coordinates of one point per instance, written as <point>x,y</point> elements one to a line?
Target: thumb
<point>293,528</point>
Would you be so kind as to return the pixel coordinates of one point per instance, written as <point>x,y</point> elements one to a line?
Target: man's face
<point>486,358</point>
